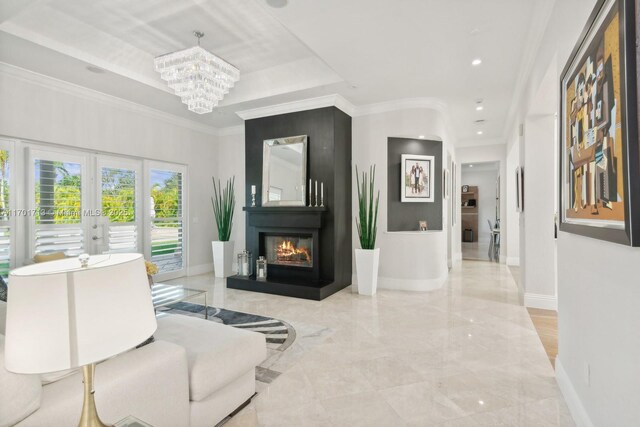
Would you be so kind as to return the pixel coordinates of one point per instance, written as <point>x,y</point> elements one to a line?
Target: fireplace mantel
<point>284,209</point>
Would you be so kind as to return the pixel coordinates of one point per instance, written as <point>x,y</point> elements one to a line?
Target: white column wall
<point>512,215</point>
<point>410,260</point>
<point>539,209</point>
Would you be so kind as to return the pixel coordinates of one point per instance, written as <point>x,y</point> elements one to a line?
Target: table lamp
<point>77,312</point>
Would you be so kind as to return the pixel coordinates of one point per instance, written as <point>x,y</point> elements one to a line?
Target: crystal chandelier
<point>199,78</point>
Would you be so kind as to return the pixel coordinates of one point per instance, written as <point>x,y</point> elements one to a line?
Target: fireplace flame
<point>287,251</point>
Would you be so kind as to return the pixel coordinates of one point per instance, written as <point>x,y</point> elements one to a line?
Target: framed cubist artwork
<point>416,182</point>
<point>599,153</point>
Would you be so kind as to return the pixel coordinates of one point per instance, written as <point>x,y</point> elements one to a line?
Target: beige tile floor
<point>476,250</point>
<point>465,355</point>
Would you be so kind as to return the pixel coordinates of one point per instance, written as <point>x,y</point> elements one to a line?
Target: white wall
<point>486,198</point>
<point>512,215</point>
<point>539,209</point>
<point>598,289</point>
<point>230,163</point>
<point>42,109</point>
<point>598,320</point>
<point>410,261</point>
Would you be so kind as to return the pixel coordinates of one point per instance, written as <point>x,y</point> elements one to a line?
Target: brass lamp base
<point>90,416</point>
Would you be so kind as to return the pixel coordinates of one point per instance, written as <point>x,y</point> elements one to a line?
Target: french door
<point>166,226</point>
<point>84,202</point>
<point>118,227</point>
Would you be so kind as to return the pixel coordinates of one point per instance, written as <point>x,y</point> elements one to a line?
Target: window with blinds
<point>119,205</point>
<point>58,207</point>
<point>167,239</point>
<point>5,217</point>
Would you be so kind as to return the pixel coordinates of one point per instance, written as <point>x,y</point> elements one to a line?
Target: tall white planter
<point>367,261</point>
<point>222,258</point>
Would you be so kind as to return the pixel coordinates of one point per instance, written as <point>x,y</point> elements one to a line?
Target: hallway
<point>467,354</point>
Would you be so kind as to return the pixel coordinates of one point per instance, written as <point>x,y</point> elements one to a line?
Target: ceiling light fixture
<point>95,69</point>
<point>479,132</point>
<point>421,136</point>
<point>479,108</point>
<point>200,78</point>
<point>476,62</point>
<point>470,166</point>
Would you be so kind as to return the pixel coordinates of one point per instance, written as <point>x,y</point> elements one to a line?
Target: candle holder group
<point>245,265</point>
<point>311,198</point>
<point>253,196</point>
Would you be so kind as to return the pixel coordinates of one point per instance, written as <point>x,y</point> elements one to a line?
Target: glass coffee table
<point>163,295</point>
<point>131,421</point>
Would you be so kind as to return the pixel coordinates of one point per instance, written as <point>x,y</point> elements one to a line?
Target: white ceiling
<point>480,167</point>
<point>368,51</point>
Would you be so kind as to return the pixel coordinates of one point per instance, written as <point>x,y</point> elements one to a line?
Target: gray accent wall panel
<point>405,216</point>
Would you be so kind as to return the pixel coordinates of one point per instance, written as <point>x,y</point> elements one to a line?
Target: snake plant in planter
<point>367,258</point>
<point>224,203</point>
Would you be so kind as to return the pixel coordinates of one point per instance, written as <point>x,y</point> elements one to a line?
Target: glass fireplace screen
<point>294,251</point>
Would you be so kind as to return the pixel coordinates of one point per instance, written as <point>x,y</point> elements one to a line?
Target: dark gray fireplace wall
<point>405,216</point>
<point>329,161</point>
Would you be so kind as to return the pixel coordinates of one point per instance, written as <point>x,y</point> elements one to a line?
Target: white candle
<point>245,268</point>
<point>253,190</point>
<point>321,190</point>
<point>316,188</point>
<point>261,273</point>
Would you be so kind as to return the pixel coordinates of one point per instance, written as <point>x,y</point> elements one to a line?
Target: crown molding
<point>535,36</point>
<point>231,130</point>
<point>333,100</point>
<point>400,104</point>
<point>103,98</point>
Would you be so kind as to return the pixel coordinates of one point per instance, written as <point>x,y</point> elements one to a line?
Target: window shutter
<point>167,239</point>
<point>58,207</point>
<point>119,205</point>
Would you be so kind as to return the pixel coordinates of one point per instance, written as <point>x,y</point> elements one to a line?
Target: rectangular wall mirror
<point>284,171</point>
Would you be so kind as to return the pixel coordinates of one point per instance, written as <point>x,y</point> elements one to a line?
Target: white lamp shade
<point>61,315</point>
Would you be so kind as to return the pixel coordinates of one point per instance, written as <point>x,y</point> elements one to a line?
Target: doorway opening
<point>480,219</point>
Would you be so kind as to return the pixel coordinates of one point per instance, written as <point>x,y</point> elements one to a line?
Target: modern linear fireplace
<point>292,251</point>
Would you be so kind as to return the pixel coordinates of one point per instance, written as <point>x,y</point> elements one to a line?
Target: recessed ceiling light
<point>421,136</point>
<point>277,3</point>
<point>479,108</point>
<point>95,69</point>
<point>476,62</point>
<point>470,166</point>
<point>479,132</point>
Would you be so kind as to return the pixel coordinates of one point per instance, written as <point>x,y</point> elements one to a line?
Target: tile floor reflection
<point>465,355</point>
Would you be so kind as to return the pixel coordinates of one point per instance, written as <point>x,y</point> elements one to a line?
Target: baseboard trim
<point>513,261</point>
<point>418,285</point>
<point>415,285</point>
<point>545,302</point>
<point>578,412</point>
<point>194,270</point>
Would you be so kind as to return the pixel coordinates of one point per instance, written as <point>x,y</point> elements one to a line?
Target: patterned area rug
<point>286,344</point>
<point>279,334</point>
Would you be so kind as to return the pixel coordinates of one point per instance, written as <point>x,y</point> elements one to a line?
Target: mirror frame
<point>266,157</point>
